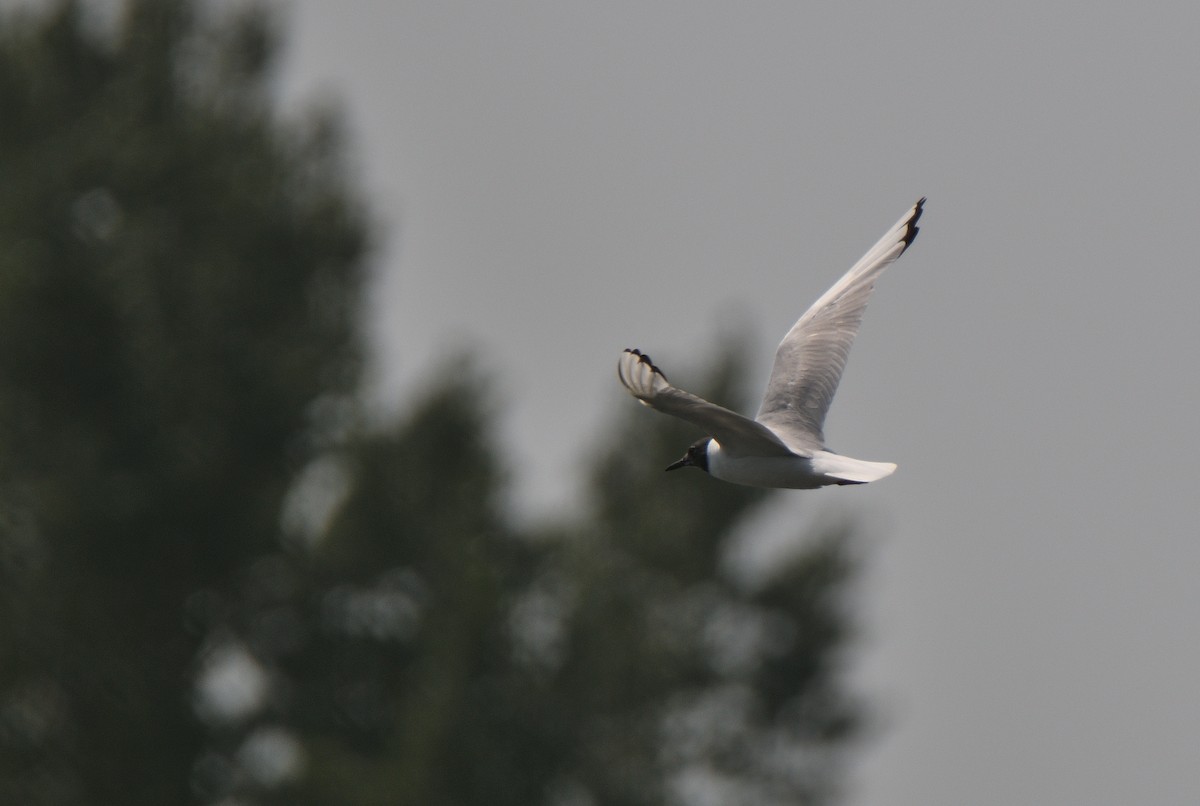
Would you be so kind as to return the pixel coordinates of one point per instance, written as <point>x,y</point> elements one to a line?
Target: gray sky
<point>563,180</point>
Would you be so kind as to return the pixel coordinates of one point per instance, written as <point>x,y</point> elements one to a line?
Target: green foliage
<point>457,660</point>
<point>176,289</point>
<point>217,582</point>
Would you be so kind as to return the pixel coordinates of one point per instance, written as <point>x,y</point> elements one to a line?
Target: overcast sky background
<point>562,180</point>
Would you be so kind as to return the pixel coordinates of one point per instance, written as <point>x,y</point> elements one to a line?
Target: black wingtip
<point>645,359</point>
<point>910,231</point>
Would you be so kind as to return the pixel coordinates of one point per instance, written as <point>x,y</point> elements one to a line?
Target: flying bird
<point>784,445</point>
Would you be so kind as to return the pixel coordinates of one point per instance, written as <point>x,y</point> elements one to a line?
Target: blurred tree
<point>177,282</point>
<point>617,660</point>
<point>217,585</point>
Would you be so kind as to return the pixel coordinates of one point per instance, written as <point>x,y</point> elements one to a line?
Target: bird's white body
<point>784,445</point>
<point>793,472</point>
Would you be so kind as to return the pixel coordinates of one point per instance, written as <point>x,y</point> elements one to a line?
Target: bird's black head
<point>696,456</point>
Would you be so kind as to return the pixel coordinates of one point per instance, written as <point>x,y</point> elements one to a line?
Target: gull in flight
<point>784,445</point>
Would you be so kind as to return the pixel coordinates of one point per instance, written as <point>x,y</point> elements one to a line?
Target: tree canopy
<point>219,584</point>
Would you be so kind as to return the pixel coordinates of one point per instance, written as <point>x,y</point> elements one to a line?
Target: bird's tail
<point>844,470</point>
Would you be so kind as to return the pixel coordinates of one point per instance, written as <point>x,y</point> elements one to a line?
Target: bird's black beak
<point>686,461</point>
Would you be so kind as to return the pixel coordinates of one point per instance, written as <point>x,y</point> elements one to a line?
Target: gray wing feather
<point>810,359</point>
<point>736,434</point>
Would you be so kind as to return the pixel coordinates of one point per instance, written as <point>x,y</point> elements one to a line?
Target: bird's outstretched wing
<point>810,359</point>
<point>736,434</point>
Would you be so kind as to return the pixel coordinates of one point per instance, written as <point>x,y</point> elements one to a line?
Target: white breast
<point>791,472</point>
